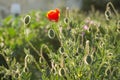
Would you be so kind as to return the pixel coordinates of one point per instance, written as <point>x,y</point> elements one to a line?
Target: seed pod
<point>51,34</point>
<point>66,20</point>
<point>108,15</point>
<point>27,19</point>
<point>89,59</point>
<point>61,50</point>
<point>118,26</point>
<point>29,58</point>
<point>62,72</point>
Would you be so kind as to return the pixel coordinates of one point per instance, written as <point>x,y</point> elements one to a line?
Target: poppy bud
<point>27,19</point>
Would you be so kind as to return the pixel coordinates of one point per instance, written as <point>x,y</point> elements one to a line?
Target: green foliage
<point>75,48</point>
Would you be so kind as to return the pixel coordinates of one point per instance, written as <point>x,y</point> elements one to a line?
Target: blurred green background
<point>25,6</point>
<point>99,4</point>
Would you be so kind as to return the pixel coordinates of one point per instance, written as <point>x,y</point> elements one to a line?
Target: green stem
<point>37,65</point>
<point>110,4</point>
<point>33,47</point>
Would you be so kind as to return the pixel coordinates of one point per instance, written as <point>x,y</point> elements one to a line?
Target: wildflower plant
<point>74,48</point>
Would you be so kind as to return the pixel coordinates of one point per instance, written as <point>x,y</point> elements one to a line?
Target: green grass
<point>65,50</point>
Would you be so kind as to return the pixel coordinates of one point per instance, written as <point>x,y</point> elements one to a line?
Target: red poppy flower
<point>53,15</point>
